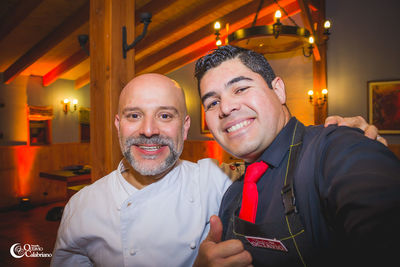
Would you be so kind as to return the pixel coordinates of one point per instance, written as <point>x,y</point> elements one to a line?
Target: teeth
<point>238,126</point>
<point>150,148</point>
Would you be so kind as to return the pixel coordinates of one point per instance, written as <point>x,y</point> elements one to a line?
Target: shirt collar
<point>276,151</point>
<point>129,189</point>
<point>125,191</point>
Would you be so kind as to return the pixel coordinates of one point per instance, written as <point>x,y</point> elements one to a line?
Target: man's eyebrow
<point>238,79</point>
<point>209,94</point>
<point>234,80</point>
<point>129,109</point>
<point>172,108</point>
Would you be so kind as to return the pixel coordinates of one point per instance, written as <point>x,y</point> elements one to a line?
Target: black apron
<point>288,230</point>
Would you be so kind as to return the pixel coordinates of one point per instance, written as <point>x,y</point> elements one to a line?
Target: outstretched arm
<point>370,130</point>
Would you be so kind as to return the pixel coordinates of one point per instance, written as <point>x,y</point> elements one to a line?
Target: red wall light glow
<point>25,159</point>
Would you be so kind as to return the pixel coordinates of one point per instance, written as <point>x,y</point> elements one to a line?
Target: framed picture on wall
<point>384,105</point>
<point>203,126</point>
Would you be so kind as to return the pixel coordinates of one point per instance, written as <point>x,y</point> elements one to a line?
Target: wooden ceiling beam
<point>291,10</point>
<point>82,80</point>
<point>203,39</point>
<point>309,25</point>
<point>196,37</point>
<point>315,4</point>
<point>178,23</point>
<point>267,17</point>
<point>15,15</point>
<point>306,15</point>
<point>154,7</point>
<point>67,27</point>
<point>64,66</point>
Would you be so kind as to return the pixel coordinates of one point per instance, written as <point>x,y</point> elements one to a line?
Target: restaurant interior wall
<point>363,46</point>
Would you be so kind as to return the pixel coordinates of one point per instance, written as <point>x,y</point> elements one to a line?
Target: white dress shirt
<point>111,223</point>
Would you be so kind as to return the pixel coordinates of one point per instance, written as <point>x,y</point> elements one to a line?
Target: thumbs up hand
<point>215,233</point>
<point>213,252</point>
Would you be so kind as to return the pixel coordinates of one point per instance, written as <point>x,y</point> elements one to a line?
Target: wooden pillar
<point>109,73</point>
<point>319,66</point>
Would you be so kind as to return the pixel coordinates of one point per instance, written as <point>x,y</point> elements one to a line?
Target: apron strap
<point>292,215</point>
<point>288,197</point>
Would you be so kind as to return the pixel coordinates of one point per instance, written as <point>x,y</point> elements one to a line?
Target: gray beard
<point>158,140</point>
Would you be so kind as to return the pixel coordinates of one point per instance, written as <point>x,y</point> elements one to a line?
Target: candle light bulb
<point>278,14</point>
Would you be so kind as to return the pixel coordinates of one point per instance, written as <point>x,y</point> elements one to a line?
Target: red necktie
<point>250,194</point>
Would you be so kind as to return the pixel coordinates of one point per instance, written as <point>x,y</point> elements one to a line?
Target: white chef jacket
<point>111,223</point>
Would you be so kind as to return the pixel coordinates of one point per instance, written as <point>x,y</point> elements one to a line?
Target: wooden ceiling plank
<point>172,65</point>
<point>64,66</point>
<point>153,7</point>
<point>68,26</point>
<point>15,15</point>
<point>179,22</point>
<point>82,80</point>
<point>190,39</point>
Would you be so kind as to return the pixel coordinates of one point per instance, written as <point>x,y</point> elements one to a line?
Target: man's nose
<point>149,127</point>
<point>227,105</point>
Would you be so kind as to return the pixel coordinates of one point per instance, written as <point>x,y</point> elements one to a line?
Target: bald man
<point>154,209</point>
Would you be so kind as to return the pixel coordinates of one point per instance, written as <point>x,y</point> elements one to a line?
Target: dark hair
<point>253,60</point>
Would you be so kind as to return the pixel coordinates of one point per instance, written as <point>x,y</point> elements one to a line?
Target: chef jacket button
<point>193,245</point>
<point>132,252</point>
<point>119,208</point>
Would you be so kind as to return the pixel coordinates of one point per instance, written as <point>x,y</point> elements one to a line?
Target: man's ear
<point>186,126</point>
<point>116,122</point>
<point>279,88</point>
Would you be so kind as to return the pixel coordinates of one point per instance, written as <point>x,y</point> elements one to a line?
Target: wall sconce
<point>83,40</point>
<point>145,18</point>
<point>66,105</point>
<point>217,27</point>
<point>320,100</point>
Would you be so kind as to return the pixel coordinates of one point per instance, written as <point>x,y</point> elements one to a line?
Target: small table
<point>72,179</point>
<point>69,177</point>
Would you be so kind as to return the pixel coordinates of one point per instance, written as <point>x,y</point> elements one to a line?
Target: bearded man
<point>154,209</point>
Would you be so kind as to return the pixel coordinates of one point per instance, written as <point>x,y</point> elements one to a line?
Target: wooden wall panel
<point>20,167</point>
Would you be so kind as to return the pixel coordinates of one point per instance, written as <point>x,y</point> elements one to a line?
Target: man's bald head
<point>151,83</point>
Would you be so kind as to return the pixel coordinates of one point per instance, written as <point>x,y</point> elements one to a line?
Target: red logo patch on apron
<point>266,243</point>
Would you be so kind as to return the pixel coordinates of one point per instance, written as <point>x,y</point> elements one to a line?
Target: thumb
<point>215,229</point>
